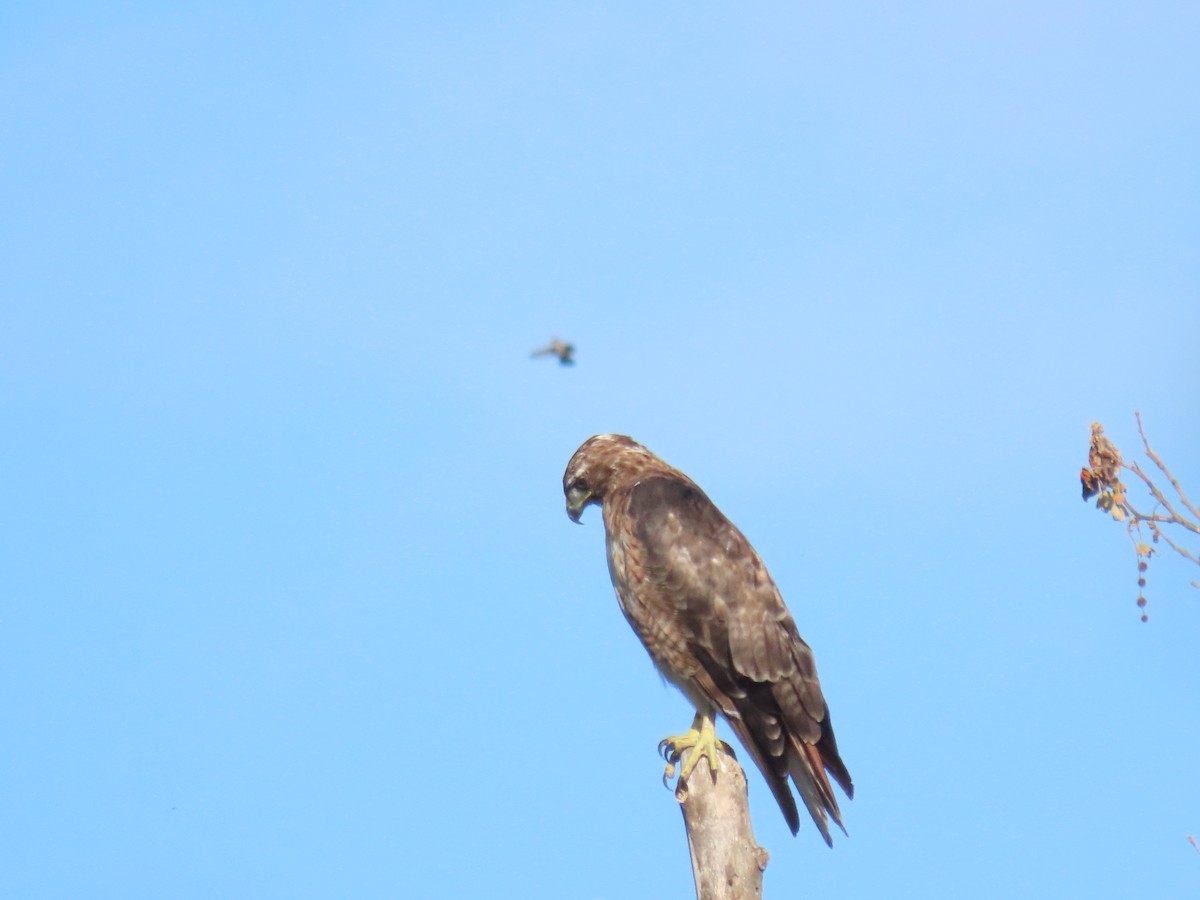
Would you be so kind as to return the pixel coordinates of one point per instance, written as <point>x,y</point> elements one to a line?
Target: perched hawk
<point>703,604</point>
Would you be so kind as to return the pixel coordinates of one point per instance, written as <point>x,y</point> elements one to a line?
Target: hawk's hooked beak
<point>576,501</point>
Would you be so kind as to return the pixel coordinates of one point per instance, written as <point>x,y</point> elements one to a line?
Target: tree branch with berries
<point>1171,520</point>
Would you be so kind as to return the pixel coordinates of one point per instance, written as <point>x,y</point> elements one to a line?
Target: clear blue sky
<point>290,605</point>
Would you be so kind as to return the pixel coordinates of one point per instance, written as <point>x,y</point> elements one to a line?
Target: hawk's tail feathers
<point>776,780</point>
<point>831,759</point>
<point>808,772</point>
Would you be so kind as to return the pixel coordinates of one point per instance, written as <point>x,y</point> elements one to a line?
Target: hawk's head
<point>602,461</point>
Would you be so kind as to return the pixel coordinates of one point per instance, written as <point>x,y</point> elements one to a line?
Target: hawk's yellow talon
<point>701,740</point>
<point>668,773</point>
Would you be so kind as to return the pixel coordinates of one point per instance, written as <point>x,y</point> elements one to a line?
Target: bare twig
<point>1163,468</point>
<point>727,862</point>
<point>1182,551</point>
<point>1173,516</point>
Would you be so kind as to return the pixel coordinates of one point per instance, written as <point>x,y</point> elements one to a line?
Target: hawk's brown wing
<point>743,652</point>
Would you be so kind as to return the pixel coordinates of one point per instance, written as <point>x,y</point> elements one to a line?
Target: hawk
<point>701,601</point>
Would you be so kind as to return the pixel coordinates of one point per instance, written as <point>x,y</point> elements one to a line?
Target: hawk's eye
<point>580,484</point>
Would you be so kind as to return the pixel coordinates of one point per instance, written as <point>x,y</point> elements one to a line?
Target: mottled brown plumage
<point>706,609</point>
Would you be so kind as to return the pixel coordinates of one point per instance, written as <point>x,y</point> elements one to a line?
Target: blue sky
<point>291,607</point>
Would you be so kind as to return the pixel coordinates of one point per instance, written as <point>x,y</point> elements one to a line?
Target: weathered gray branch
<point>727,862</point>
<point>1162,467</point>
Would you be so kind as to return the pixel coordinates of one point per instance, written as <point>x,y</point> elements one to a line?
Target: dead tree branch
<point>727,862</point>
<point>1101,479</point>
<point>1171,478</point>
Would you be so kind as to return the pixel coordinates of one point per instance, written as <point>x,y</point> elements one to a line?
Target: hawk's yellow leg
<point>700,739</point>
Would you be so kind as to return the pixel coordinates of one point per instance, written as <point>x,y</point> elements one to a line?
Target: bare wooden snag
<point>727,862</point>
